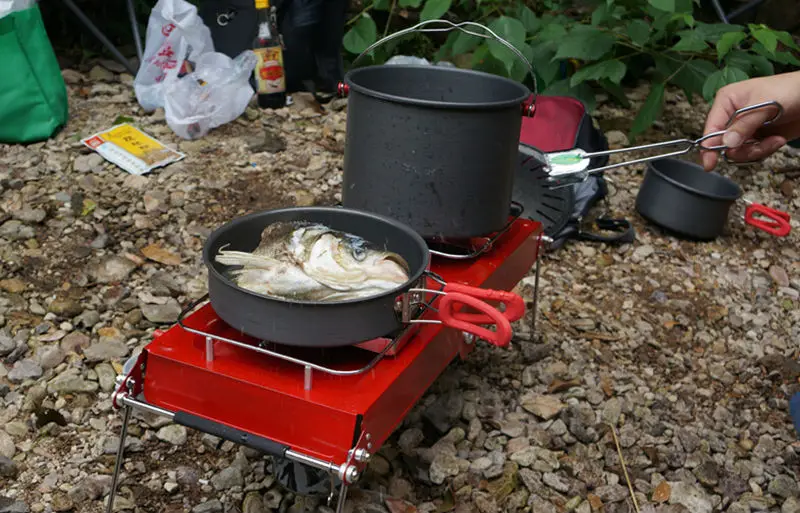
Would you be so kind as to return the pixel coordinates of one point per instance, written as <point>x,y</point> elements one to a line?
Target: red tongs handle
<point>777,222</point>
<point>474,297</point>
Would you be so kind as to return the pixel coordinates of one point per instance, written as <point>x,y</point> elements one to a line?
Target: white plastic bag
<point>9,6</point>
<point>176,38</point>
<point>217,92</point>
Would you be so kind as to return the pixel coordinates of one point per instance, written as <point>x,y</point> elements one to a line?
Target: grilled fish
<point>315,263</point>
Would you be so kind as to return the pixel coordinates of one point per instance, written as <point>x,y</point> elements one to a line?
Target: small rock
<point>269,142</point>
<point>71,77</point>
<point>707,473</point>
<point>69,382</point>
<point>106,376</point>
<point>7,447</point>
<point>62,502</point>
<point>690,496</point>
<point>783,486</point>
<point>617,139</point>
<point>253,503</point>
<point>543,406</point>
<point>50,357</point>
<point>30,215</point>
<point>162,314</point>
<point>75,342</point>
<point>444,465</point>
<point>101,74</point>
<point>791,505</point>
<point>90,488</point>
<point>612,411</point>
<point>779,275</point>
<point>174,434</point>
<point>227,478</point>
<point>113,269</point>
<point>212,506</point>
<point>24,369</point>
<point>65,307</point>
<point>555,482</point>
<point>106,350</point>
<point>171,487</point>
<point>87,163</point>
<point>8,505</point>
<point>12,285</point>
<point>15,230</point>
<point>642,252</point>
<point>7,467</point>
<point>7,344</point>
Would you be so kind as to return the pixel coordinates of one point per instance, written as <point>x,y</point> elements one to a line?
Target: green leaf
<point>465,43</point>
<point>766,37</point>
<point>713,32</point>
<point>721,78</point>
<point>434,9</point>
<point>786,38</point>
<point>727,42</point>
<point>410,3</point>
<point>582,92</point>
<point>513,32</point>
<point>585,43</point>
<point>752,64</point>
<point>650,110</point>
<point>690,42</point>
<point>663,5</point>
<point>552,32</point>
<point>612,70</point>
<point>482,60</point>
<point>693,75</point>
<point>542,61</point>
<point>786,58</point>
<point>529,20</point>
<point>361,35</point>
<point>382,5</point>
<point>601,14</point>
<point>639,32</point>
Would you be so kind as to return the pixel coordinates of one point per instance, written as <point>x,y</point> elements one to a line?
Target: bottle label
<point>269,70</point>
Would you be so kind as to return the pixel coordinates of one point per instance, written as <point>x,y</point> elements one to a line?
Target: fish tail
<point>243,258</point>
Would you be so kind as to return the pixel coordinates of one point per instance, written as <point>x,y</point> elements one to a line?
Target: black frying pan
<point>330,324</point>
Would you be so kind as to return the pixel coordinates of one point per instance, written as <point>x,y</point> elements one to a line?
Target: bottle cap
<point>262,4</point>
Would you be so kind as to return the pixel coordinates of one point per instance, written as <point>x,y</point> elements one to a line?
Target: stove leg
<point>535,300</point>
<point>342,498</point>
<point>118,464</point>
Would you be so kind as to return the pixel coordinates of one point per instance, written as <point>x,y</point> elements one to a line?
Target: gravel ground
<point>688,350</point>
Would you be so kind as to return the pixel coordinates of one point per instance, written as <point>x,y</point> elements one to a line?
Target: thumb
<point>745,127</point>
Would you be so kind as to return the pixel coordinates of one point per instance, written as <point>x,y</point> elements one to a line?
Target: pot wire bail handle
<point>449,25</point>
<point>777,222</point>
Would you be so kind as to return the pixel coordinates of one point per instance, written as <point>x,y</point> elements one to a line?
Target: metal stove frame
<point>130,385</point>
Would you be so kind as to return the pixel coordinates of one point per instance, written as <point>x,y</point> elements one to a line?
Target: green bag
<point>33,96</point>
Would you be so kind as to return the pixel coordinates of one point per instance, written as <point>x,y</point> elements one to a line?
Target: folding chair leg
<point>135,29</point>
<point>99,35</point>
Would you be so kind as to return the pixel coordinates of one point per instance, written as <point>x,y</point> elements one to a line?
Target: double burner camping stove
<point>329,409</point>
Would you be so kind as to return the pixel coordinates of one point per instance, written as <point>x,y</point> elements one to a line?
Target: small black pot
<point>433,147</point>
<point>331,324</point>
<point>685,199</point>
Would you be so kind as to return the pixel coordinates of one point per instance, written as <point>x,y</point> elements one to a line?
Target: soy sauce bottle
<point>270,78</point>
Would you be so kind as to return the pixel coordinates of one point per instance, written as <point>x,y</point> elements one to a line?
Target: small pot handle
<point>777,222</point>
<point>453,319</point>
<point>475,297</point>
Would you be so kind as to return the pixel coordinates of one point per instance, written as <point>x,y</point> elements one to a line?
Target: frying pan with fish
<point>352,321</point>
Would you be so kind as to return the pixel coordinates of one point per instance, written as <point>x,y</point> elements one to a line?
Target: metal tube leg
<point>535,296</point>
<point>137,39</point>
<point>120,453</point>
<point>99,35</point>
<point>342,498</point>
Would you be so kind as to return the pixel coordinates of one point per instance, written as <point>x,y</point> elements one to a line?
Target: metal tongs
<point>572,166</point>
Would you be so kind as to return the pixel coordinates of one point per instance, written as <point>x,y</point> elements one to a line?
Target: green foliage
<point>597,49</point>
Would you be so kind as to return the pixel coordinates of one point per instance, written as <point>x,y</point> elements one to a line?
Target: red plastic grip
<point>342,90</point>
<point>528,109</point>
<point>515,305</point>
<point>777,222</point>
<point>450,318</point>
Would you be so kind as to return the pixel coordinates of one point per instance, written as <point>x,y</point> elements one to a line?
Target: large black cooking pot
<point>434,147</point>
<point>330,324</point>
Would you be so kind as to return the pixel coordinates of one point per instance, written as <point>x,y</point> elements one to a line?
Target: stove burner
<point>468,249</point>
<point>205,375</point>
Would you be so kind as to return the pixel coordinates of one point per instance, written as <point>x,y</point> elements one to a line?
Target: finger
<point>745,126</point>
<point>709,160</point>
<point>721,110</point>
<point>757,151</point>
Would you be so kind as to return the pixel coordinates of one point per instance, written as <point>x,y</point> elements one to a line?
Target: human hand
<point>783,88</point>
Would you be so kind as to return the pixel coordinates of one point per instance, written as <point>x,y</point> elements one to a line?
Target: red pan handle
<point>449,318</point>
<point>777,222</point>
<point>515,305</point>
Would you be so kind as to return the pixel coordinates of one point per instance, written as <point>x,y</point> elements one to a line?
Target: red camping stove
<point>326,408</point>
